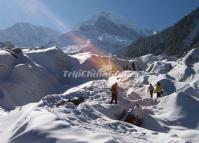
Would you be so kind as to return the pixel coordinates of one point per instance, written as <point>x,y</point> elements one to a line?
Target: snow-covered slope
<point>89,122</point>
<point>32,75</point>
<point>172,118</point>
<point>36,73</point>
<point>177,39</point>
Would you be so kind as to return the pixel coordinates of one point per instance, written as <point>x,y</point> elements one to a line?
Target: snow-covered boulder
<point>140,65</point>
<point>70,105</point>
<point>195,84</point>
<point>182,72</point>
<point>159,67</point>
<point>138,112</point>
<point>152,123</point>
<point>32,75</point>
<point>7,61</point>
<point>27,84</point>
<point>150,58</point>
<point>53,60</point>
<point>167,85</point>
<point>190,90</point>
<point>131,94</point>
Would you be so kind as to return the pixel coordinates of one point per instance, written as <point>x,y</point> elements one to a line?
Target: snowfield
<point>32,85</point>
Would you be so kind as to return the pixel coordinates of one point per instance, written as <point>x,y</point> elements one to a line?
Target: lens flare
<point>39,9</point>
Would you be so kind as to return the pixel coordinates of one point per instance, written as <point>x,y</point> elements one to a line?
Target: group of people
<point>126,67</point>
<point>158,89</point>
<point>135,116</point>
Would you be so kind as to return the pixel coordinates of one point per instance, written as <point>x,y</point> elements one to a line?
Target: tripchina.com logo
<point>103,72</point>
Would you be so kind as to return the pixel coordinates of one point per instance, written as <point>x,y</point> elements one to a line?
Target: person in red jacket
<point>114,91</point>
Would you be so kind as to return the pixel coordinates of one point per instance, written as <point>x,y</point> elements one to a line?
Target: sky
<point>63,15</point>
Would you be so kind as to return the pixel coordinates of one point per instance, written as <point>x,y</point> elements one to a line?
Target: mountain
<point>105,31</point>
<point>174,40</point>
<point>28,35</point>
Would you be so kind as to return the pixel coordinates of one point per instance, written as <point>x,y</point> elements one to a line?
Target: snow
<point>82,57</point>
<point>28,35</point>
<point>34,84</point>
<point>31,76</point>
<point>149,58</point>
<point>7,62</point>
<point>159,68</point>
<point>118,20</point>
<point>106,33</point>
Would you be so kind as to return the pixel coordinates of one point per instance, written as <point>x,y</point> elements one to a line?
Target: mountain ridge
<point>28,35</point>
<point>174,40</point>
<point>103,32</point>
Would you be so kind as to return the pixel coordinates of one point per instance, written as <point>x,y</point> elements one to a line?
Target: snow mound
<point>182,73</point>
<point>111,111</point>
<point>153,123</point>
<point>150,58</point>
<point>29,84</point>
<point>32,75</point>
<point>131,94</point>
<point>82,57</point>
<point>195,84</point>
<point>139,64</point>
<point>53,60</point>
<point>7,61</point>
<point>181,109</point>
<point>73,49</point>
<point>159,68</point>
<point>190,90</point>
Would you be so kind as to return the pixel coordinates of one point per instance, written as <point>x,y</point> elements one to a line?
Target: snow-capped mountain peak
<point>106,31</point>
<point>107,18</point>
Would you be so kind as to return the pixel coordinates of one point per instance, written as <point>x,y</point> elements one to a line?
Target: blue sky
<point>65,14</point>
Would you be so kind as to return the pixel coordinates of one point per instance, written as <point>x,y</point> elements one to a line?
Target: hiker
<point>151,90</point>
<point>124,68</point>
<point>114,91</point>
<point>133,66</point>
<point>158,90</point>
<point>127,67</point>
